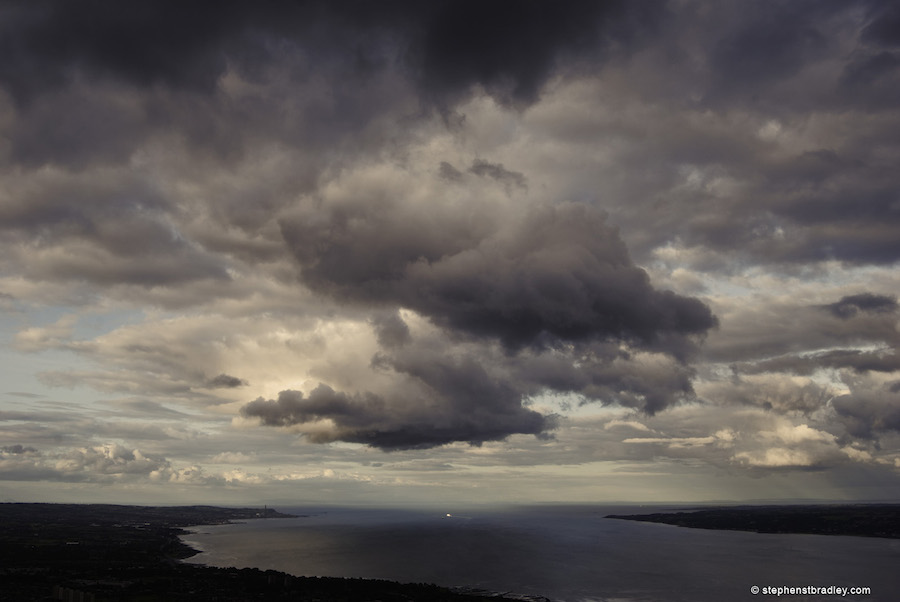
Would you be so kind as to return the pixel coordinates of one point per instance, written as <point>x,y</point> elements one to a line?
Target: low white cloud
<point>52,336</point>
<point>232,458</point>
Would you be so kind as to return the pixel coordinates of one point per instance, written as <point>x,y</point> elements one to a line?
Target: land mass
<point>112,553</point>
<point>863,520</point>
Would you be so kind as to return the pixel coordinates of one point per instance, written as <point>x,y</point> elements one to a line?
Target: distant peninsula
<point>112,553</point>
<point>862,520</point>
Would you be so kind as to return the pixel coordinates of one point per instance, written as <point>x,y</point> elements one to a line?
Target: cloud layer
<point>471,234</point>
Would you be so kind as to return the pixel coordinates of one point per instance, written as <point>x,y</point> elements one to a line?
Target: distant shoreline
<point>860,520</point>
<point>97,552</point>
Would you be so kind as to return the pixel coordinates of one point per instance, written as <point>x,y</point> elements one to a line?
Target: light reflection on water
<point>566,553</point>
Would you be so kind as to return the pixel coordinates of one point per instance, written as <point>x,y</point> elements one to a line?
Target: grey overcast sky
<point>450,251</point>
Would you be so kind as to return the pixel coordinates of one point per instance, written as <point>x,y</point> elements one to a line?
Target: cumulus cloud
<point>754,442</point>
<point>461,404</point>
<point>796,446</point>
<point>107,464</point>
<point>112,459</point>
<point>232,458</point>
<point>430,391</point>
<point>97,463</point>
<point>555,271</point>
<point>870,407</point>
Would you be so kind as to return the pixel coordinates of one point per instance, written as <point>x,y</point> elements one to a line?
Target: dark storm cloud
<point>449,173</point>
<point>851,305</point>
<point>756,53</point>
<point>511,50</point>
<point>461,403</point>
<point>483,168</point>
<point>66,227</point>
<point>595,372</point>
<point>441,391</point>
<point>162,145</point>
<point>872,76</point>
<point>226,381</point>
<point>95,82</point>
<point>884,29</point>
<point>557,271</point>
<point>772,42</point>
<point>791,107</point>
<point>150,43</point>
<point>144,42</point>
<point>78,126</point>
<point>292,407</point>
<point>390,330</point>
<point>819,206</point>
<point>867,71</point>
<point>867,414</point>
<point>554,285</point>
<point>450,46</point>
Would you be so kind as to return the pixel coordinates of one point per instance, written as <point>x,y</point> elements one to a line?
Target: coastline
<point>47,550</point>
<point>857,520</point>
<point>104,552</point>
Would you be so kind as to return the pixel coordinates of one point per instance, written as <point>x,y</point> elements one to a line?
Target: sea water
<point>566,553</point>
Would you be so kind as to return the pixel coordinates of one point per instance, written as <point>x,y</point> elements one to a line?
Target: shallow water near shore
<point>566,553</point>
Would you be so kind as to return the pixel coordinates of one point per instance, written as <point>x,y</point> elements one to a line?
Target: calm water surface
<point>569,554</point>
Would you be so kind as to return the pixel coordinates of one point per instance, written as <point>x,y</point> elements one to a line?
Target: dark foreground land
<point>107,553</point>
<point>864,520</point>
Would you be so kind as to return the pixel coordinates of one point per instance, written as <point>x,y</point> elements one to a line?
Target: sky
<point>404,253</point>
